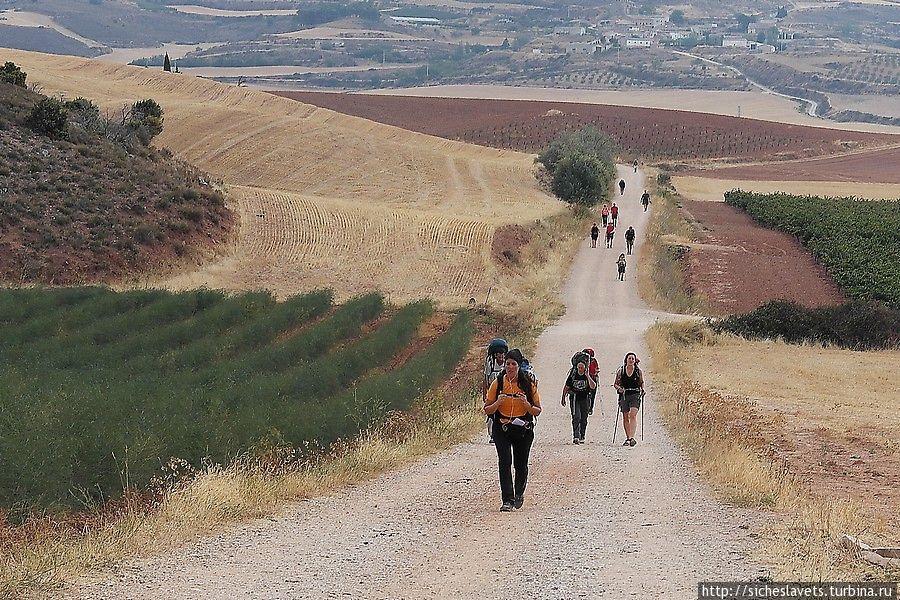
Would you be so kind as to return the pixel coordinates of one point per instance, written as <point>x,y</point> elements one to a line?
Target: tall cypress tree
<point>167,66</point>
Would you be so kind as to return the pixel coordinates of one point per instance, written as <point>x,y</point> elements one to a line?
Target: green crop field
<point>100,389</point>
<point>857,241</point>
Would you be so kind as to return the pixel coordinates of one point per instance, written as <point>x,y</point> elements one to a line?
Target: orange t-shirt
<point>512,399</point>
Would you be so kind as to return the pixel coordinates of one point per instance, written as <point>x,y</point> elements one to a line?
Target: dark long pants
<point>513,447</point>
<point>579,409</point>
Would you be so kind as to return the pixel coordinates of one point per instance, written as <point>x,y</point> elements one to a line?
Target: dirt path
<point>600,521</point>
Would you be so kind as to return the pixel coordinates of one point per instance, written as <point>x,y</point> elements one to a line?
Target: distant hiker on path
<point>621,187</point>
<point>610,232</point>
<point>595,233</point>
<point>620,264</point>
<point>629,239</point>
<point>645,200</point>
<point>635,165</point>
<point>514,402</point>
<point>614,213</point>
<point>604,213</point>
<point>578,388</point>
<point>494,364</point>
<point>630,385</point>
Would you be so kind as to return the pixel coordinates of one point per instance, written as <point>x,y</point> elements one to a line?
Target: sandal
<point>632,442</point>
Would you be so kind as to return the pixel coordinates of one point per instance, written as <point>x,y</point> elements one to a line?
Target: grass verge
<point>734,445</point>
<point>662,283</point>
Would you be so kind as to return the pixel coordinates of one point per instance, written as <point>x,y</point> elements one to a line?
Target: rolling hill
<point>325,196</point>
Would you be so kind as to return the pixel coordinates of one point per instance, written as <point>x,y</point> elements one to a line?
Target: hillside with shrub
<point>85,198</point>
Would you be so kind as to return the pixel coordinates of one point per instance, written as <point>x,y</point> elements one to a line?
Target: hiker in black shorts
<point>578,388</point>
<point>629,239</point>
<point>645,200</point>
<point>621,187</point>
<point>630,385</point>
<point>620,264</point>
<point>595,233</point>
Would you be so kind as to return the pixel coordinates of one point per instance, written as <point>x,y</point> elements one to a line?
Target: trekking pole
<point>615,427</point>
<point>642,415</point>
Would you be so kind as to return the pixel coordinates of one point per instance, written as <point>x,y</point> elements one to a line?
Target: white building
<point>732,41</point>
<point>761,25</point>
<point>570,30</point>
<point>638,43</point>
<point>679,35</point>
<point>650,22</point>
<point>583,47</point>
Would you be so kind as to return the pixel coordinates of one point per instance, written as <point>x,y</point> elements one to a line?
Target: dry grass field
<point>809,432</point>
<point>325,197</point>
<point>713,190</point>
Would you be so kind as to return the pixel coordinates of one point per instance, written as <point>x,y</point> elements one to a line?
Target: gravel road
<point>599,521</point>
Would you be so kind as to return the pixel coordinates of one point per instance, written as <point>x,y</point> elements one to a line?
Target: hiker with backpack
<point>614,213</point>
<point>621,187</point>
<point>595,233</point>
<point>604,214</point>
<point>629,239</point>
<point>610,232</point>
<point>630,385</point>
<point>514,402</point>
<point>494,364</point>
<point>578,388</point>
<point>645,200</point>
<point>620,265</point>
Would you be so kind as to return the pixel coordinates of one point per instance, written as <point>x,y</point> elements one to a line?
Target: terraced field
<point>344,201</point>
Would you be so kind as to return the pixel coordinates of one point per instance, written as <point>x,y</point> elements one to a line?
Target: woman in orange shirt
<point>514,401</point>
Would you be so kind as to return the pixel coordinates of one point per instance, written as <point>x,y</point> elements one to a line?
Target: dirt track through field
<point>600,520</point>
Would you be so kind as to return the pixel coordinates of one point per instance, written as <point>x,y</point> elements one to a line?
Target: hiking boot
<point>574,440</point>
<point>506,507</point>
<point>627,442</point>
<point>632,442</point>
<point>518,501</point>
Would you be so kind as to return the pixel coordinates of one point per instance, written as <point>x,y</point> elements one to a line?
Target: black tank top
<point>633,382</point>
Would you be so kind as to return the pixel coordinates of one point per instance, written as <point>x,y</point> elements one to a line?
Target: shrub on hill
<point>146,119</point>
<point>49,117</point>
<point>83,199</point>
<point>581,165</point>
<point>857,325</point>
<point>11,73</point>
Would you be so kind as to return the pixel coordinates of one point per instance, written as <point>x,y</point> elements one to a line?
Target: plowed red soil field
<point>528,126</point>
<point>877,166</point>
<point>739,265</point>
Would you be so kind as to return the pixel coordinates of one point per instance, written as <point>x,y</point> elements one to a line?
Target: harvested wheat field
<point>324,194</point>
<point>837,436</point>
<point>529,125</point>
<point>713,190</point>
<point>738,265</point>
<point>400,250</point>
